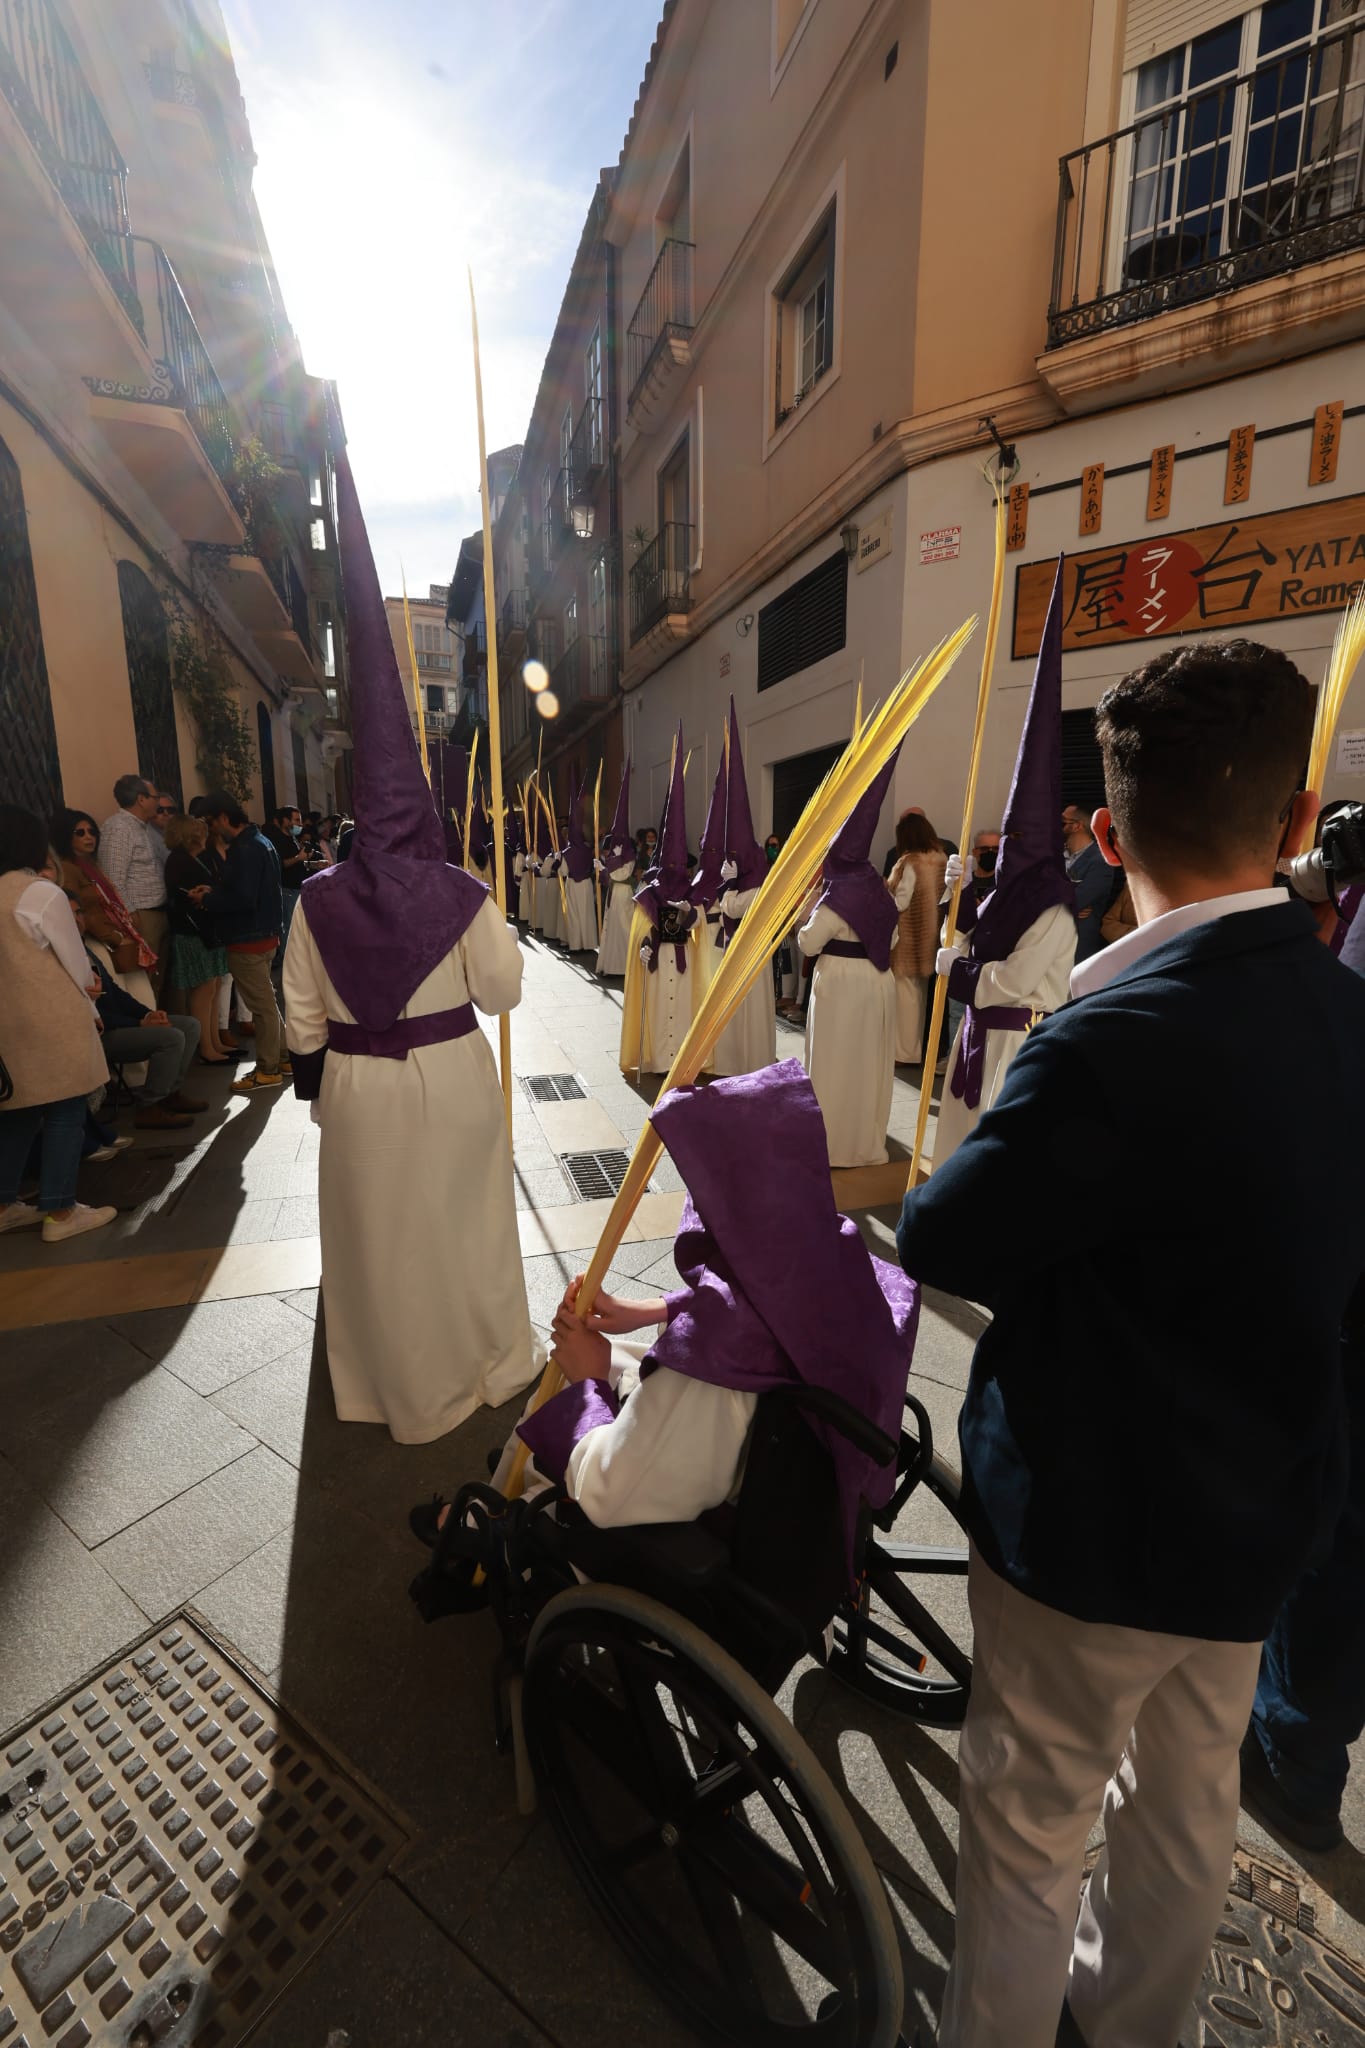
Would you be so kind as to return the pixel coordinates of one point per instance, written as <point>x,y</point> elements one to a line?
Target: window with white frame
<point>433,644</point>
<point>592,387</point>
<point>803,320</point>
<point>317,534</point>
<point>547,495</point>
<point>327,639</point>
<point>570,623</point>
<point>597,619</point>
<point>566,458</point>
<point>1241,135</point>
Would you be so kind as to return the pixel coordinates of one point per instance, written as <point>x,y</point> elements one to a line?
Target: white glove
<point>600,867</point>
<point>683,905</point>
<point>960,867</point>
<point>947,955</point>
<point>644,954</point>
<point>728,871</point>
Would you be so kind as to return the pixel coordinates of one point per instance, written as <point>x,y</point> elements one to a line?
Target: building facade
<point>435,685</point>
<point>848,272</point>
<point>169,594</point>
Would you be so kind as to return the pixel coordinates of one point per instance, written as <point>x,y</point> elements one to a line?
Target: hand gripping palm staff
<point>789,882</point>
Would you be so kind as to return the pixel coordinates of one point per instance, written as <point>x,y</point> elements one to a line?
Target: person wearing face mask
<point>284,830</point>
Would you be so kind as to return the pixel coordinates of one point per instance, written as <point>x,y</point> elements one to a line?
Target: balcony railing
<point>1244,180</point>
<point>41,78</point>
<point>661,579</point>
<point>516,610</point>
<point>580,676</point>
<point>665,309</point>
<point>587,453</point>
<point>180,354</point>
<point>475,651</point>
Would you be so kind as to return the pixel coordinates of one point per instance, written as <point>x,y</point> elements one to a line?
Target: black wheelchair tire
<point>616,1619</point>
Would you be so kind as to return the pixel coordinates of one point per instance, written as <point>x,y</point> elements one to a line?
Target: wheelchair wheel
<point>704,1830</point>
<point>901,1643</point>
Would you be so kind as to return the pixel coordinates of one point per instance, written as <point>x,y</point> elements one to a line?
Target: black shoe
<point>1266,1800</point>
<point>425,1519</point>
<point>494,1460</point>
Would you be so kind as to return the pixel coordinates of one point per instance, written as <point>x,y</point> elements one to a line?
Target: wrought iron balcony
<point>185,374</point>
<point>41,77</point>
<point>512,619</point>
<point>581,675</point>
<point>661,578</point>
<point>1243,180</point>
<point>587,452</point>
<point>663,317</point>
<point>475,651</point>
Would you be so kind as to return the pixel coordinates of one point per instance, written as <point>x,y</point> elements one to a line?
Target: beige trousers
<point>251,976</point>
<point>1058,1707</point>
<point>154,926</point>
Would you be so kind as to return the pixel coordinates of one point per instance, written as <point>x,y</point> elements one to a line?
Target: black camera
<point>1343,850</point>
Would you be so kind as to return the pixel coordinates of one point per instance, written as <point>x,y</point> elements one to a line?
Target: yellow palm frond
<point>1347,649</point>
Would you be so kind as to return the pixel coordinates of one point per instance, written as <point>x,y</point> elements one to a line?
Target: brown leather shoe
<point>184,1105</point>
<point>156,1116</point>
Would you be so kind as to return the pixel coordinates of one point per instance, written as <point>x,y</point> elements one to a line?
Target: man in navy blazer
<point>1153,1436</point>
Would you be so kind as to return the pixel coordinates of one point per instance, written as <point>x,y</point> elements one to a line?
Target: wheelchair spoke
<point>917,1618</point>
<point>773,1890</point>
<point>936,1559</point>
<point>719,1916</point>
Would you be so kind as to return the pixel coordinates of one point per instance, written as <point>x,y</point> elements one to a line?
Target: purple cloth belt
<point>969,1068</point>
<point>845,949</point>
<point>403,1035</point>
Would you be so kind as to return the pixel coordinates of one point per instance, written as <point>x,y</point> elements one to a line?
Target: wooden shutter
<point>1155,26</point>
<point>806,623</point>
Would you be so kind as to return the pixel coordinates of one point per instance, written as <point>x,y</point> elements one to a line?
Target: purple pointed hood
<point>577,852</point>
<point>781,1287</point>
<point>740,844</point>
<point>619,845</point>
<point>670,877</point>
<point>385,917</point>
<point>706,883</point>
<point>1030,874</point>
<point>853,888</point>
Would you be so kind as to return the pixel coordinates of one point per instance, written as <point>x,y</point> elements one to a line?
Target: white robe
<point>676,1448</point>
<point>580,928</point>
<point>664,999</point>
<point>550,907</point>
<point>617,912</point>
<point>850,1044</point>
<point>421,1264</point>
<point>523,879</point>
<point>1035,976</point>
<point>749,1040</point>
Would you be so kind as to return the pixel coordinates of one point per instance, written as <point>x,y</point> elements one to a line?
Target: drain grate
<point>173,1851</point>
<point>555,1088</point>
<point>594,1174</point>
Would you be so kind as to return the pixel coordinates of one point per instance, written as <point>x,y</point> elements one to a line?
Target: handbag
<point>125,956</point>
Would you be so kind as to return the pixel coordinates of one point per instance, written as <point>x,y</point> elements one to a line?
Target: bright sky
<point>397,144</point>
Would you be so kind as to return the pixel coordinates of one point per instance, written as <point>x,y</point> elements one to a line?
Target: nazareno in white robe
<point>850,1044</point>
<point>617,912</point>
<point>424,1296</point>
<point>522,875</point>
<point>580,925</point>
<point>550,906</point>
<point>676,1448</point>
<point>1035,976</point>
<point>749,1040</point>
<point>664,1000</point>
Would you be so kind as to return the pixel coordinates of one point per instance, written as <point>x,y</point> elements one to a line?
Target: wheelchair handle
<point>843,1416</point>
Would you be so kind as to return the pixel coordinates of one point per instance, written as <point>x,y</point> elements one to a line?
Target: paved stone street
<point>169,1443</point>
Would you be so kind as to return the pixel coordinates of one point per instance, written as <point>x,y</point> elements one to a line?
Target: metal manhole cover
<point>595,1174</point>
<point>555,1088</point>
<point>1271,1978</point>
<point>173,1851</point>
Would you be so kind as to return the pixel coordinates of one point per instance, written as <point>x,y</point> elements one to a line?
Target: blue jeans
<point>63,1127</point>
<point>290,900</point>
<point>1310,1697</point>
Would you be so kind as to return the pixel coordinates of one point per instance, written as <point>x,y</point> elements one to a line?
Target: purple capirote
<point>1030,873</point>
<point>779,1287</point>
<point>853,889</point>
<point>619,844</point>
<point>706,883</point>
<point>577,853</point>
<point>751,862</point>
<point>389,914</point>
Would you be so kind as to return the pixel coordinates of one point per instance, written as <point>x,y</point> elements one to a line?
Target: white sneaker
<point>82,1217</point>
<point>111,1150</point>
<point>19,1215</point>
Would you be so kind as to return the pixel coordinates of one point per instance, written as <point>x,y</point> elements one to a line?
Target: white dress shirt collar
<point>1101,968</point>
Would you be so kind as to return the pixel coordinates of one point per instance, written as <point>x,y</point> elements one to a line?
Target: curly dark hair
<point>64,825</point>
<point>1204,748</point>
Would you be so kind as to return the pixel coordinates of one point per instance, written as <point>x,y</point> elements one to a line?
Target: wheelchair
<point>635,1689</point>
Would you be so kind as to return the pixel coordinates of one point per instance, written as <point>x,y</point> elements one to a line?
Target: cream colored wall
<point>1006,99</point>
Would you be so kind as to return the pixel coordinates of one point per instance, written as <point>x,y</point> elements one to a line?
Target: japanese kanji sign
<point>1237,485</point>
<point>1213,579</point>
<point>1159,482</point>
<point>1092,497</point>
<point>1016,518</point>
<point>1322,463</point>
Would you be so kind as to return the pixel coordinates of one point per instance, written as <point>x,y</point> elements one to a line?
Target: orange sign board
<point>1322,463</point>
<point>1211,579</point>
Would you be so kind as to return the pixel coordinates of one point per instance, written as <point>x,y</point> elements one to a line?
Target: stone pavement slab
<point>166,1558</point>
<point>210,1344</point>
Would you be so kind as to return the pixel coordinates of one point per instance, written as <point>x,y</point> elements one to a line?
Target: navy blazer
<point>1165,1211</point>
